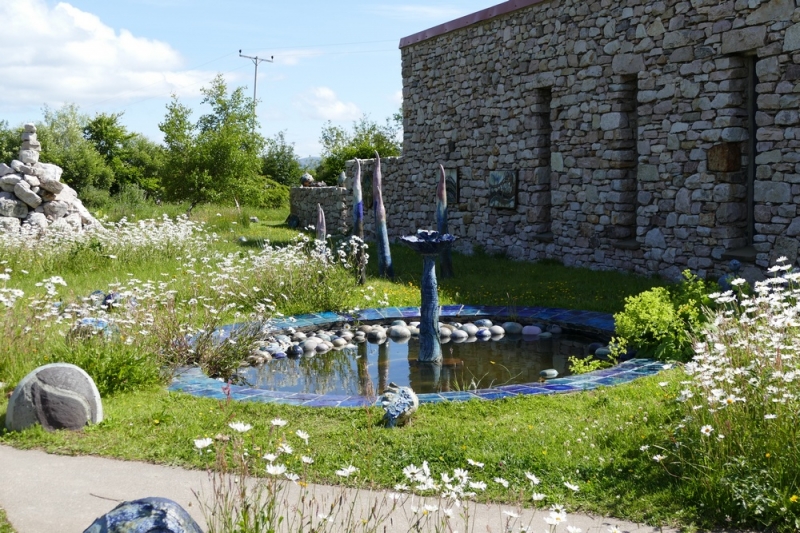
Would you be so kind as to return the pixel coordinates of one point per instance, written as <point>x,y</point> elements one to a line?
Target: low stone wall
<point>334,201</point>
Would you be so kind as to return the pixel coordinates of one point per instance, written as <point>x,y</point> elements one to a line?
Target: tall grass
<point>736,446</point>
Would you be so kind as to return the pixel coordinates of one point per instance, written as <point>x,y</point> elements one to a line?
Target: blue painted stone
<point>281,355</point>
<point>295,350</point>
<point>483,323</point>
<point>148,515</point>
<point>483,333</point>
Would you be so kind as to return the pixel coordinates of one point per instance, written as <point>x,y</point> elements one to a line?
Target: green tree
<point>63,143</point>
<point>219,157</point>
<point>10,141</point>
<point>340,145</point>
<point>134,159</point>
<point>279,162</point>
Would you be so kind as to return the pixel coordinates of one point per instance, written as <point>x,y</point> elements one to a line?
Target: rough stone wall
<point>303,204</point>
<point>627,124</point>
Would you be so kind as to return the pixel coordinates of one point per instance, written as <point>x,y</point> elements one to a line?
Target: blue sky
<point>333,60</point>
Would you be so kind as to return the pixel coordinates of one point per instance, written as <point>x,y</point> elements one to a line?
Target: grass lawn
<point>593,440</point>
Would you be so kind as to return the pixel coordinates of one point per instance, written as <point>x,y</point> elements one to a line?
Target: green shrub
<point>113,365</point>
<point>95,197</point>
<point>660,322</point>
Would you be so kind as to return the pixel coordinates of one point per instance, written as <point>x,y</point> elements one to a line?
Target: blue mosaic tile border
<point>193,381</point>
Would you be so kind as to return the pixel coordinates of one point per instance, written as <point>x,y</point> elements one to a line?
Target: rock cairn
<point>32,196</point>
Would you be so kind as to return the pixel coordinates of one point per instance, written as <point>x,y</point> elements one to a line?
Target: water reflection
<point>469,365</point>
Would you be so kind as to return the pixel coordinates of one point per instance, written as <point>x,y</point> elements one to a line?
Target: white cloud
<point>293,57</point>
<point>397,97</point>
<point>418,12</point>
<point>62,54</point>
<point>322,103</point>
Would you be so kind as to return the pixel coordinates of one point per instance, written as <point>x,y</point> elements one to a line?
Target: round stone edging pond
<point>193,381</point>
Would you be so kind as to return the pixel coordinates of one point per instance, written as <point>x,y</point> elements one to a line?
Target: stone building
<point>637,135</point>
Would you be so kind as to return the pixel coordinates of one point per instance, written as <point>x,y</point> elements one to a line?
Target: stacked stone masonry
<point>645,136</point>
<point>32,196</point>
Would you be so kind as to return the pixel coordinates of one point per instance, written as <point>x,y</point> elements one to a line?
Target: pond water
<point>368,368</point>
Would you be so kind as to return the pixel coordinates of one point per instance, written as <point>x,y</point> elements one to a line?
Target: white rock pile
<point>32,197</point>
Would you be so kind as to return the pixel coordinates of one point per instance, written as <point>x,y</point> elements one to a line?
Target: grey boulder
<point>57,396</point>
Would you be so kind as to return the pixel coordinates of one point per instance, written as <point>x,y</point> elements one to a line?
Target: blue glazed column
<point>430,347</point>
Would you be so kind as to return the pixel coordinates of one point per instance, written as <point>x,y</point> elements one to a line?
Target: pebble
<point>299,336</point>
<point>279,355</point>
<point>497,330</point>
<point>550,373</point>
<point>483,323</point>
<point>545,335</point>
<point>483,333</point>
<point>512,328</point>
<point>470,329</point>
<point>376,334</point>
<point>399,323</point>
<point>310,344</point>
<point>445,333</point>
<point>399,331</point>
<point>295,350</point>
<point>531,330</point>
<point>459,335</point>
<point>339,342</point>
<point>415,330</point>
<point>323,347</point>
<point>365,328</point>
<point>602,353</point>
<point>554,329</point>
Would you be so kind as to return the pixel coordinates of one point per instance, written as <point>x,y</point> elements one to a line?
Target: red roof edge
<point>468,20</point>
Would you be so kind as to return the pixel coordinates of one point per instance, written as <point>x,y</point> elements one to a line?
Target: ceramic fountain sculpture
<point>385,268</point>
<point>399,403</point>
<point>322,229</point>
<point>358,222</point>
<point>446,262</point>
<point>429,244</point>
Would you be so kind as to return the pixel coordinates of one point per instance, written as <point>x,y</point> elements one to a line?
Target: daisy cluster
<point>740,401</point>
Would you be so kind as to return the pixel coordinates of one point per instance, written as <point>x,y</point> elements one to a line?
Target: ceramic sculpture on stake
<point>358,223</point>
<point>446,262</point>
<point>385,268</point>
<point>322,230</point>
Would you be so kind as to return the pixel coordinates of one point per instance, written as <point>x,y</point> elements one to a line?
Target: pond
<point>191,380</point>
<point>367,368</point>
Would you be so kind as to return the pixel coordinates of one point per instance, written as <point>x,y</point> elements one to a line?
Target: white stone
<point>29,157</point>
<point>56,209</point>
<point>5,169</point>
<point>23,191</point>
<point>35,221</point>
<point>8,182</point>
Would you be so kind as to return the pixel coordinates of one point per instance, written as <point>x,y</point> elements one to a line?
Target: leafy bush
<point>114,366</point>
<point>660,322</point>
<point>735,449</point>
